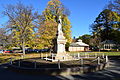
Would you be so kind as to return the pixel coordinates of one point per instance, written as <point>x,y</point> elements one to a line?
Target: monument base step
<point>55,60</point>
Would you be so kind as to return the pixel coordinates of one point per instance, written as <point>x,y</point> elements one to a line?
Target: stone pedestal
<point>61,45</point>
<point>63,57</point>
<point>60,50</point>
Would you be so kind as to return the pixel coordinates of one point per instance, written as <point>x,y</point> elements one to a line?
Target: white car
<point>1,51</point>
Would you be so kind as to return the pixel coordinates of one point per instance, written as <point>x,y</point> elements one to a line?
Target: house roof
<point>79,43</point>
<point>108,42</point>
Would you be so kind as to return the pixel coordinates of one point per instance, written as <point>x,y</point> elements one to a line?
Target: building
<point>78,46</point>
<point>108,45</point>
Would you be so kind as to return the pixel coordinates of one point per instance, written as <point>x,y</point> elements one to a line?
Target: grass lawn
<point>6,57</point>
<point>97,53</point>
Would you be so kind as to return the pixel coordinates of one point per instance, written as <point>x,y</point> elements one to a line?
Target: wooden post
<point>82,61</point>
<point>85,55</point>
<point>74,56</point>
<point>98,60</point>
<point>11,60</point>
<point>103,55</point>
<point>88,55</point>
<point>95,54</point>
<point>52,56</point>
<point>58,64</point>
<point>106,58</point>
<point>46,56</point>
<point>82,65</point>
<point>78,55</point>
<point>22,56</point>
<point>41,56</point>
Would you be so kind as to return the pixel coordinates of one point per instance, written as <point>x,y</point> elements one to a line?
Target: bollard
<point>58,64</point>
<point>98,60</point>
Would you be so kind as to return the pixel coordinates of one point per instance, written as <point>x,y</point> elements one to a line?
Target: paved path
<point>111,73</point>
<point>10,75</point>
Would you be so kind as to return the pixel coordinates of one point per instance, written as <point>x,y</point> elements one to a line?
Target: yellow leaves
<point>117,17</point>
<point>48,27</point>
<point>54,2</point>
<point>48,32</point>
<point>50,3</point>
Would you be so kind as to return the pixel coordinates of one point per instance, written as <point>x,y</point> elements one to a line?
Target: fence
<point>98,60</point>
<point>86,55</point>
<point>75,56</point>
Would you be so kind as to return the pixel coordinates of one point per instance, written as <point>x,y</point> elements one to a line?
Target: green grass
<point>5,57</point>
<point>97,53</point>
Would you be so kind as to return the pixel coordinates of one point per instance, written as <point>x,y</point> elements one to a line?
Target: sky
<point>82,12</point>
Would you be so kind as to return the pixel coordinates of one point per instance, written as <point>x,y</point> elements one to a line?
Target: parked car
<point>36,50</point>
<point>29,50</point>
<point>7,51</point>
<point>17,50</point>
<point>45,50</point>
<point>1,51</point>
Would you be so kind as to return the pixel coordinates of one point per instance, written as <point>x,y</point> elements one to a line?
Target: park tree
<point>3,36</point>
<point>20,24</point>
<point>48,22</point>
<point>114,5</point>
<point>105,24</point>
<point>105,27</point>
<point>85,38</point>
<point>5,39</point>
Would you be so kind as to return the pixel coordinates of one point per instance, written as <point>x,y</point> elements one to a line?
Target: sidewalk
<point>111,73</point>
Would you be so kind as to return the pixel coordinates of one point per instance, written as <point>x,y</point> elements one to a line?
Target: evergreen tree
<point>105,24</point>
<point>85,38</point>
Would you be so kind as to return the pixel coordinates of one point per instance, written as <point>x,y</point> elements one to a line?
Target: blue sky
<point>83,12</point>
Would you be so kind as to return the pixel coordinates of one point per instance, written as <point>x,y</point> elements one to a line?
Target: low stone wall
<point>62,71</point>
